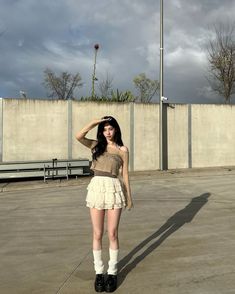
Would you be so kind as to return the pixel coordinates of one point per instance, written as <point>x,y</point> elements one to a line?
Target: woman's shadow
<point>175,222</point>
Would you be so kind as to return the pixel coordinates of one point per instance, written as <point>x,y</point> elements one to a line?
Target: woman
<point>107,193</point>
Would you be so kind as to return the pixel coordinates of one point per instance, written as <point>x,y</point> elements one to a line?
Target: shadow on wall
<point>175,222</point>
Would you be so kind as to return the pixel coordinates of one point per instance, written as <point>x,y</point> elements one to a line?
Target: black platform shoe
<point>111,283</point>
<point>99,283</point>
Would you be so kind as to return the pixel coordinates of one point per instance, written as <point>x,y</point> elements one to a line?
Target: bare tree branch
<point>221,57</point>
<point>63,86</point>
<point>106,86</point>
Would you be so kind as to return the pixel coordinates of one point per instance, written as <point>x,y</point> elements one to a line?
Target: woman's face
<point>109,132</point>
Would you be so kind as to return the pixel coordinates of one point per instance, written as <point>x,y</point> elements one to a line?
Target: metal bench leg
<point>44,169</point>
<point>67,171</point>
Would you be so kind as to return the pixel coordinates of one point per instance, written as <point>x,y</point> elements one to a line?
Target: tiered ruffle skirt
<point>105,193</point>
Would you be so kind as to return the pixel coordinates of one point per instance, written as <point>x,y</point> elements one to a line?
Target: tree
<point>63,86</point>
<point>146,87</point>
<point>106,86</point>
<point>221,57</point>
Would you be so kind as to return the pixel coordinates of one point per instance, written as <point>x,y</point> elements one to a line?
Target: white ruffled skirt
<point>105,193</point>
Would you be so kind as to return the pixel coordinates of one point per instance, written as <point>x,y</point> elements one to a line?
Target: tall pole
<point>96,47</point>
<point>161,87</point>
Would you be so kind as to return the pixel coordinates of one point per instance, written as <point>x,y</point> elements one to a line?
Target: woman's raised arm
<point>81,135</point>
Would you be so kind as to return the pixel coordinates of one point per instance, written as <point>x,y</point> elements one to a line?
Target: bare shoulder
<point>124,149</point>
<point>124,152</point>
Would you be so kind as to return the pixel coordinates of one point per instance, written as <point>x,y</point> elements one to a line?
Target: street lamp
<point>96,47</point>
<point>161,88</point>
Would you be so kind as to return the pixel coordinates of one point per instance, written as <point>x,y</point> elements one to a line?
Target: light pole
<point>96,47</point>
<point>161,88</point>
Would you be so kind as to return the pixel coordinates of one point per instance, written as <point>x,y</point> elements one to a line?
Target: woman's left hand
<point>130,204</point>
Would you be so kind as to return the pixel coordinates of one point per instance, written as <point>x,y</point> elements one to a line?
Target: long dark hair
<point>100,148</point>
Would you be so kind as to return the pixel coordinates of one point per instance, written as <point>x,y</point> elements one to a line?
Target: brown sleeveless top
<point>107,164</point>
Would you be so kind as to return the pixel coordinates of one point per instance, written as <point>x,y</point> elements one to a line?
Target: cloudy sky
<point>60,34</point>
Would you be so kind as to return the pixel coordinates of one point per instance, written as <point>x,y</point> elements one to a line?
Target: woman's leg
<point>113,218</point>
<point>97,219</point>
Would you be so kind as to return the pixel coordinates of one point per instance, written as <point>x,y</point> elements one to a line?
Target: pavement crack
<point>72,272</point>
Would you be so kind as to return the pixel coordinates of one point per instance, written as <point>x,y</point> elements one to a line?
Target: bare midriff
<point>99,173</point>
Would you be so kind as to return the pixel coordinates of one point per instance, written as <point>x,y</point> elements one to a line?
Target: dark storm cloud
<point>61,34</point>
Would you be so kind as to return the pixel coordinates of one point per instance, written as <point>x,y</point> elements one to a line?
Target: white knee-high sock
<point>113,261</point>
<point>98,263</point>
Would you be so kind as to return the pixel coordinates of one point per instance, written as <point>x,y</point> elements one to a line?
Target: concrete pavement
<point>179,238</point>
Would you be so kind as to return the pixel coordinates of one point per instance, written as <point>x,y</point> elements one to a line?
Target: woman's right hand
<point>80,136</point>
<point>99,120</point>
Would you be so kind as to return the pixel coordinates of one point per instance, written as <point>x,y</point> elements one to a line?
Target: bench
<point>44,168</point>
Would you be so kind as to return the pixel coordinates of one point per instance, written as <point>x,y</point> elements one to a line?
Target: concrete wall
<point>213,135</point>
<point>198,135</point>
<point>146,136</point>
<point>178,155</point>
<point>201,135</point>
<point>34,129</point>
